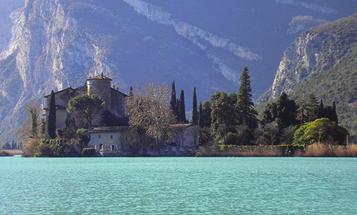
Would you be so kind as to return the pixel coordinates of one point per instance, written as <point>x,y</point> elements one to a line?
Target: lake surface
<point>178,185</point>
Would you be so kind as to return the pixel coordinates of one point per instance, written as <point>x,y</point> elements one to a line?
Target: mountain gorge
<point>55,44</point>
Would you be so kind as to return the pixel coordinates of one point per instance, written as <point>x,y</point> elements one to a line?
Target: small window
<point>111,136</point>
<point>99,136</point>
<point>101,147</point>
<point>113,147</point>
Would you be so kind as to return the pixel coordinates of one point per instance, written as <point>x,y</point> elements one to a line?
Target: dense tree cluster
<point>178,106</point>
<point>233,120</point>
<point>226,119</point>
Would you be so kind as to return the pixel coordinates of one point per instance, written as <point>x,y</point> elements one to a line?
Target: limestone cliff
<point>323,61</point>
<point>46,51</point>
<point>314,52</point>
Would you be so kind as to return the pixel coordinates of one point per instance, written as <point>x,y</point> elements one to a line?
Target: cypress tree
<point>321,109</point>
<point>181,108</point>
<point>177,109</point>
<point>328,112</point>
<point>205,115</point>
<point>194,108</point>
<point>312,108</point>
<point>173,101</point>
<point>51,121</point>
<point>334,113</point>
<point>131,93</point>
<point>200,109</point>
<point>245,107</point>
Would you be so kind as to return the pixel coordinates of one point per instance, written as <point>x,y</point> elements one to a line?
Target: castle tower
<point>100,86</point>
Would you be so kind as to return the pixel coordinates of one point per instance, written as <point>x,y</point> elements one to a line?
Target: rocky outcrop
<point>322,61</point>
<point>314,52</point>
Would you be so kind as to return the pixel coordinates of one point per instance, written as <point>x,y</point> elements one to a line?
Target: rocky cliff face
<point>46,51</point>
<point>314,52</point>
<point>323,61</point>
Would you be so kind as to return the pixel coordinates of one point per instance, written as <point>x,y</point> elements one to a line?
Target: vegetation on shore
<point>228,123</point>
<point>286,123</point>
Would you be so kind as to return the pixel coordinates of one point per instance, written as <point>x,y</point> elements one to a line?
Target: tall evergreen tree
<point>269,113</point>
<point>182,108</point>
<point>321,109</point>
<point>302,114</point>
<point>177,109</point>
<point>247,115</point>
<point>51,121</point>
<point>173,101</point>
<point>205,115</point>
<point>131,93</point>
<point>312,108</point>
<point>328,112</point>
<point>194,108</point>
<point>334,113</point>
<point>286,111</point>
<point>200,109</point>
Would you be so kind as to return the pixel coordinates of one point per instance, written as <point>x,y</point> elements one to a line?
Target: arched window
<point>113,148</point>
<point>101,147</point>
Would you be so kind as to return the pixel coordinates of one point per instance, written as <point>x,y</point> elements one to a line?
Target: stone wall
<point>124,141</point>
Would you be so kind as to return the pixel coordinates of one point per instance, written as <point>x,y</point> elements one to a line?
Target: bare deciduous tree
<point>149,111</point>
<point>27,134</point>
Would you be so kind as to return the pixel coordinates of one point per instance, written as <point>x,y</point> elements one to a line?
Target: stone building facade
<point>119,140</point>
<point>98,85</point>
<point>124,141</point>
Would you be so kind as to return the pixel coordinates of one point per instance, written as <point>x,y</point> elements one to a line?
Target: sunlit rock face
<point>315,52</point>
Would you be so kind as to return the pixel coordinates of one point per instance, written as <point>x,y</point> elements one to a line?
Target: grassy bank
<point>328,150</point>
<point>10,152</point>
<point>313,150</point>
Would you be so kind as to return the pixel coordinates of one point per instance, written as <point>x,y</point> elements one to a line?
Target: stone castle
<point>119,140</point>
<point>99,85</point>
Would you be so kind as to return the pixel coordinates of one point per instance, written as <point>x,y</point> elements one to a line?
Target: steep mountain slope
<point>337,84</point>
<point>57,43</point>
<point>6,7</point>
<point>323,61</point>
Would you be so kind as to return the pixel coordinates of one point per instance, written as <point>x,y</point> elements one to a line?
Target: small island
<point>99,120</point>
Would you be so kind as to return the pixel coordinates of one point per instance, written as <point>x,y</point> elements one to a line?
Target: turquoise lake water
<point>178,185</point>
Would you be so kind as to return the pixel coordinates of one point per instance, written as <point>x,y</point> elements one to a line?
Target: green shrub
<point>320,130</point>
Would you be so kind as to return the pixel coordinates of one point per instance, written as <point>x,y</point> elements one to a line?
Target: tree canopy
<point>247,115</point>
<point>320,130</point>
<point>86,106</point>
